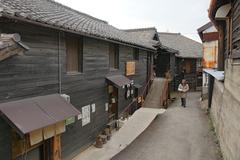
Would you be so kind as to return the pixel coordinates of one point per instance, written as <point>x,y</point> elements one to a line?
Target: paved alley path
<point>179,134</point>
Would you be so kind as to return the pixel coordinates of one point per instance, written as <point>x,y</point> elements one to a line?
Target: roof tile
<point>187,47</point>
<point>55,14</point>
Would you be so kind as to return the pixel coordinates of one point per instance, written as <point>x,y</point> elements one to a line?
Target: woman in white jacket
<point>183,89</point>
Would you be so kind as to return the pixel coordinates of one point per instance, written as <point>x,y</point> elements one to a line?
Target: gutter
<point>75,32</point>
<point>212,10</point>
<point>214,6</point>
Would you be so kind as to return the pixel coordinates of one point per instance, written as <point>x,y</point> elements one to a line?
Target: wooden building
<point>164,59</point>
<point>147,35</point>
<point>187,58</point>
<point>65,54</point>
<point>209,36</point>
<point>224,101</point>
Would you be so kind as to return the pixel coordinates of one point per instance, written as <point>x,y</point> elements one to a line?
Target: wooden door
<point>113,105</point>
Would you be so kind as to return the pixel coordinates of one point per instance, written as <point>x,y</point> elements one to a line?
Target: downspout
<point>59,65</point>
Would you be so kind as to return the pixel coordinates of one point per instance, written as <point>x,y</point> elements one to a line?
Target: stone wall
<point>225,111</point>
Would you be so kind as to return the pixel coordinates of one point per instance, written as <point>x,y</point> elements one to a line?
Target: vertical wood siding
<point>236,29</point>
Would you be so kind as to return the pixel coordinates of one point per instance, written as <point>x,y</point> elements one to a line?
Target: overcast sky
<point>166,15</point>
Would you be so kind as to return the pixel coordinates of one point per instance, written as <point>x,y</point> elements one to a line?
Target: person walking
<point>183,89</point>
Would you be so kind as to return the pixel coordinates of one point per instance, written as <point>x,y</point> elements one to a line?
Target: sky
<point>177,16</point>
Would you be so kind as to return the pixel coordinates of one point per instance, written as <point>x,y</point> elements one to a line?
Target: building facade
<point>225,103</point>
<point>209,36</point>
<point>188,57</point>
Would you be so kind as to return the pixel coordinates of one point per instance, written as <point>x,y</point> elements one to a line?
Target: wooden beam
<point>9,52</point>
<point>221,47</point>
<point>56,147</point>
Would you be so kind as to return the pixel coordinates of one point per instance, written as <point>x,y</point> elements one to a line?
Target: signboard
<point>210,54</point>
<point>130,68</point>
<point>86,110</point>
<point>93,108</point>
<point>36,137</point>
<point>70,120</point>
<point>106,107</point>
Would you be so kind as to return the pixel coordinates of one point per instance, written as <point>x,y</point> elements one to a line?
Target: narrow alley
<point>119,80</point>
<point>179,134</point>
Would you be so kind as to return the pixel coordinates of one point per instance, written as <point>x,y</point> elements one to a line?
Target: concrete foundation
<point>225,111</point>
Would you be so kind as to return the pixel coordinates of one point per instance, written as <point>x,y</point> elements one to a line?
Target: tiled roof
<point>204,27</point>
<point>150,35</point>
<point>145,34</point>
<point>186,47</point>
<point>54,14</point>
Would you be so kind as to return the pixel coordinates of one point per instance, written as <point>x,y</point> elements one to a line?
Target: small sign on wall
<point>86,110</point>
<point>93,107</point>
<point>70,120</point>
<point>106,107</point>
<point>130,68</point>
<point>79,116</point>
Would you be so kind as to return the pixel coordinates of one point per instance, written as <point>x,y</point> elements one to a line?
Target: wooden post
<point>57,147</point>
<point>221,48</point>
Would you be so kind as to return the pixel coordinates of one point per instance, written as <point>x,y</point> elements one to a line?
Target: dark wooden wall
<point>5,141</point>
<point>36,73</point>
<point>236,29</point>
<point>163,62</point>
<point>140,77</point>
<point>84,89</point>
<point>162,65</point>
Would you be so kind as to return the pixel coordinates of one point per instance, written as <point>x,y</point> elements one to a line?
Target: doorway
<point>113,106</point>
<point>22,150</point>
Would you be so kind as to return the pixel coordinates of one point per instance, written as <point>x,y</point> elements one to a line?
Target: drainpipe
<point>59,65</point>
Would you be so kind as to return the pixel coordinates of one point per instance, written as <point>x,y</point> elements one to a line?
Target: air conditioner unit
<point>66,97</point>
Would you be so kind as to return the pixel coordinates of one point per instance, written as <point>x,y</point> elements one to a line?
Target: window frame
<point>79,54</point>
<point>114,50</point>
<point>136,54</point>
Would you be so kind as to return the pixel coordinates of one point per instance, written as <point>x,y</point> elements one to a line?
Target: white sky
<point>184,16</point>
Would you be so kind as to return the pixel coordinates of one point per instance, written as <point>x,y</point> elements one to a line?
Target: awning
<point>136,85</point>
<point>31,114</point>
<point>119,80</point>
<point>219,75</point>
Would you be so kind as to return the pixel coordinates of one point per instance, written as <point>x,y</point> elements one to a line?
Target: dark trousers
<point>183,100</point>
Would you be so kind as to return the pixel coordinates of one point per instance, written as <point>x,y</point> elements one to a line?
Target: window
<point>113,56</point>
<point>136,54</point>
<point>74,47</point>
